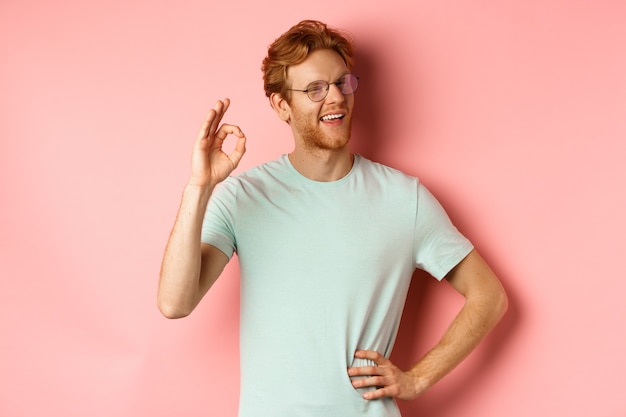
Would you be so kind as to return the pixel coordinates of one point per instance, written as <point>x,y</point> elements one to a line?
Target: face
<point>323,125</point>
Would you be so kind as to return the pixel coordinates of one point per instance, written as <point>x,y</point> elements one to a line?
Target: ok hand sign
<point>210,165</point>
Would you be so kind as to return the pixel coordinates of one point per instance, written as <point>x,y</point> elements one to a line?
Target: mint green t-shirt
<point>325,269</point>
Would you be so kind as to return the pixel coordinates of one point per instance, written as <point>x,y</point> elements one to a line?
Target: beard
<point>315,137</point>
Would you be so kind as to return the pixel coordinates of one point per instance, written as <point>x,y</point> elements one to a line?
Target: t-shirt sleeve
<point>439,246</point>
<point>218,226</point>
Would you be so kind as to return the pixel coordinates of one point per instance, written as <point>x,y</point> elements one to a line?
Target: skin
<point>321,148</point>
<point>321,153</point>
<point>190,268</point>
<point>485,303</point>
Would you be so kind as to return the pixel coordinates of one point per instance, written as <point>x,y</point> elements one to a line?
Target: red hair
<point>293,47</point>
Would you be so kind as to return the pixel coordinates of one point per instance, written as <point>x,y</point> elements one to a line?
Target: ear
<point>281,107</point>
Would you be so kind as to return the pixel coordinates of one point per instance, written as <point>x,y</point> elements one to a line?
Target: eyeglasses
<point>318,90</point>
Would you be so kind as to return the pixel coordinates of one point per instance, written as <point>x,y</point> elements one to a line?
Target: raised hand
<point>209,163</point>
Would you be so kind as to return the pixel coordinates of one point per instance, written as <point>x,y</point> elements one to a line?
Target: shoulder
<point>265,171</point>
<point>255,181</point>
<point>384,173</point>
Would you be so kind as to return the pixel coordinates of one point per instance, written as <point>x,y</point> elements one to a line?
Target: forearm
<point>179,281</point>
<point>475,320</point>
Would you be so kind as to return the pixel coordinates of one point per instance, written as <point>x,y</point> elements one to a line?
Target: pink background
<point>512,112</point>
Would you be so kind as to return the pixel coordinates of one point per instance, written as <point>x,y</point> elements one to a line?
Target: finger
<point>218,113</point>
<point>371,381</point>
<point>365,371</point>
<point>226,130</point>
<point>237,153</point>
<point>240,147</point>
<point>206,125</point>
<point>379,393</point>
<point>372,355</point>
<point>220,109</point>
<point>213,119</point>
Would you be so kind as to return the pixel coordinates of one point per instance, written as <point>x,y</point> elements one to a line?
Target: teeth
<point>332,117</point>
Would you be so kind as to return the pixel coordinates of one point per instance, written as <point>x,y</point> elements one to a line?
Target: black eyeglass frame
<point>327,85</point>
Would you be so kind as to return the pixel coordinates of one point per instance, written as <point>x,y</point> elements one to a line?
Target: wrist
<point>420,382</point>
<point>200,184</point>
<point>197,194</point>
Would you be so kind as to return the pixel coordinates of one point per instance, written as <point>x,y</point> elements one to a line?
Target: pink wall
<point>512,112</point>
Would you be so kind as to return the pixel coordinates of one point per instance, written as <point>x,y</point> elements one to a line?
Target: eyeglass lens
<point>318,90</point>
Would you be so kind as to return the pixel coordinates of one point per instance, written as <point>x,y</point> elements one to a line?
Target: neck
<point>322,165</point>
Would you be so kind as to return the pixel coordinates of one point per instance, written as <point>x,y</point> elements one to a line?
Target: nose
<point>334,94</point>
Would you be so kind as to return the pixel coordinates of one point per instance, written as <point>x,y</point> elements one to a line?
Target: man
<point>327,243</point>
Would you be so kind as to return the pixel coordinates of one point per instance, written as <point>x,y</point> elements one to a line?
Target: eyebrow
<point>336,79</point>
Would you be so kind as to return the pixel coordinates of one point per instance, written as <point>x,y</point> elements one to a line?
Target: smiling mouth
<point>331,117</point>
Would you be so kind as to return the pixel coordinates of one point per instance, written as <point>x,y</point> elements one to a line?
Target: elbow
<point>501,303</point>
<point>492,304</point>
<point>172,310</point>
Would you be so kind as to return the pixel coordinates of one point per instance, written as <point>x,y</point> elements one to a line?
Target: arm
<point>189,267</point>
<point>485,303</point>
